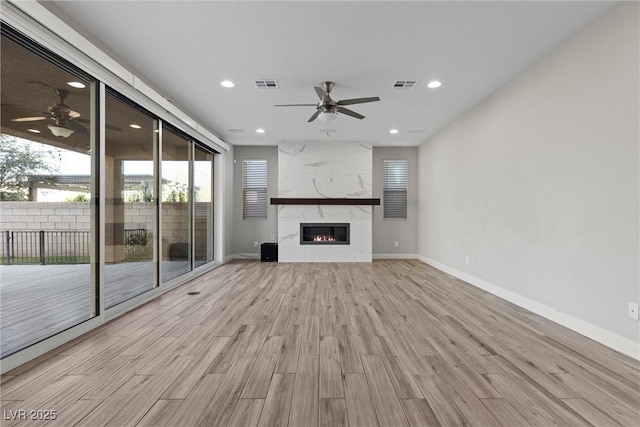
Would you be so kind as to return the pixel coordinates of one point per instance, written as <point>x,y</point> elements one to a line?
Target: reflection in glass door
<point>131,211</point>
<point>176,210</point>
<point>47,193</point>
<point>202,206</point>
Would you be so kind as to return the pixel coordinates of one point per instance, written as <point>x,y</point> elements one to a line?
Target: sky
<point>62,161</point>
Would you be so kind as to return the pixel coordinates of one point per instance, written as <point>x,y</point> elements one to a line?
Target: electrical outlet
<point>396,244</point>
<point>273,237</point>
<point>633,311</point>
<point>255,244</point>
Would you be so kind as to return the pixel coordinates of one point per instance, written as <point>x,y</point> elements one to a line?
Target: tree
<point>17,161</point>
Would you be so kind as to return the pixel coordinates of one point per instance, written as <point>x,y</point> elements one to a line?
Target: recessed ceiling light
<point>260,130</point>
<point>77,85</point>
<point>227,83</point>
<point>434,84</point>
<point>394,131</point>
<point>33,130</point>
<point>135,126</point>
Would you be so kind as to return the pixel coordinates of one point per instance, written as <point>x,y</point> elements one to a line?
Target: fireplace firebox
<point>330,233</point>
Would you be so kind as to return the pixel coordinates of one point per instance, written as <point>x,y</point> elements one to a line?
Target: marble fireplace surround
<point>325,171</point>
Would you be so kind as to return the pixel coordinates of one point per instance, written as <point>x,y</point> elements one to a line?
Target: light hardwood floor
<point>392,343</point>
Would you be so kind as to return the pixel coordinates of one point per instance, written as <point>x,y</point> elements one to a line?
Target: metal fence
<point>135,242</point>
<point>45,247</point>
<point>61,247</point>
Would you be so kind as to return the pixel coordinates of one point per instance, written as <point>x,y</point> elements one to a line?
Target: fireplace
<point>330,233</point>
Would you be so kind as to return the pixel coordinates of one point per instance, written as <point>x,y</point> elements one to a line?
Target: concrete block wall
<point>45,216</point>
<point>76,216</point>
<point>62,221</point>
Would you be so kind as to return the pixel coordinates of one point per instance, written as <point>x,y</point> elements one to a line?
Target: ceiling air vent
<point>404,84</point>
<point>267,84</point>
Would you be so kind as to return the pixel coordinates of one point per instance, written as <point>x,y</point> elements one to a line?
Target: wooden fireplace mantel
<point>322,201</point>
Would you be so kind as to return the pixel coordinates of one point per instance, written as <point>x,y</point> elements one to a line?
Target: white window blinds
<point>254,189</point>
<point>394,194</point>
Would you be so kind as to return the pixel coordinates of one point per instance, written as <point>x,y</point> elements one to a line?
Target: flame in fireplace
<point>324,239</point>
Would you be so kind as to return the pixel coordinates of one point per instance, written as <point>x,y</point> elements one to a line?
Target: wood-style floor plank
<point>219,410</point>
<point>160,413</point>
<point>333,413</point>
<point>360,411</point>
<point>504,412</point>
<point>385,400</point>
<point>330,371</point>
<point>419,413</point>
<point>246,413</point>
<point>192,407</point>
<point>390,343</point>
<point>277,405</point>
<point>258,383</point>
<point>305,405</point>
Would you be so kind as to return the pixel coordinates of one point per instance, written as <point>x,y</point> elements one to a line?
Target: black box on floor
<point>269,252</point>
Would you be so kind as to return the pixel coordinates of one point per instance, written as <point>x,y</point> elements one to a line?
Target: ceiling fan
<point>65,118</point>
<point>327,109</point>
<point>67,121</point>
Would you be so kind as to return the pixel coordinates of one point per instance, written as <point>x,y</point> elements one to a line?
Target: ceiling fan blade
<point>350,113</point>
<point>30,119</point>
<point>296,105</point>
<point>321,93</point>
<point>315,115</point>
<point>72,124</point>
<point>107,126</point>
<point>358,100</point>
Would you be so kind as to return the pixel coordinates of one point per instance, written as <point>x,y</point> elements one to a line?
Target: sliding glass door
<point>57,268</point>
<point>202,206</point>
<point>131,210</point>
<point>47,195</point>
<point>175,227</point>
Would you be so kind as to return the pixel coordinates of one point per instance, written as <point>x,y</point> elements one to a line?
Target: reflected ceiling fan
<point>327,109</point>
<point>67,121</point>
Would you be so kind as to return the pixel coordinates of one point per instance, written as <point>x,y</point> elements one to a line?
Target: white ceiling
<point>185,48</point>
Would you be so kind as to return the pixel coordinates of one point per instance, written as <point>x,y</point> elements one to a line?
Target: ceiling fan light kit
<point>60,131</point>
<point>328,116</point>
<point>327,108</point>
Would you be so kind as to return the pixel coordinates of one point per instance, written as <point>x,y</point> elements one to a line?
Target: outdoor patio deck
<point>37,301</point>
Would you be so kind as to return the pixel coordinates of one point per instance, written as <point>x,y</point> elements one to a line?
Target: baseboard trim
<point>229,258</point>
<point>607,338</point>
<point>246,256</point>
<point>395,256</point>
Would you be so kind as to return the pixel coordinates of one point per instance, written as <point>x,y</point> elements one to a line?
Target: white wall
<point>386,233</point>
<point>538,185</point>
<point>229,208</point>
<point>246,232</point>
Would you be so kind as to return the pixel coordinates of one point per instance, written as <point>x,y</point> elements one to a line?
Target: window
<point>254,189</point>
<point>394,189</point>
